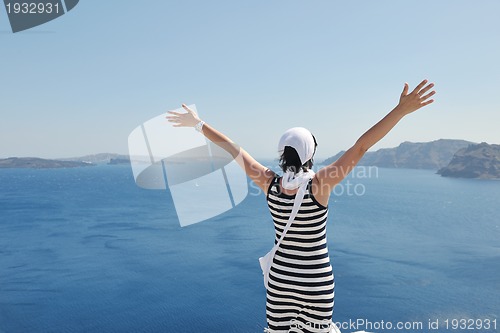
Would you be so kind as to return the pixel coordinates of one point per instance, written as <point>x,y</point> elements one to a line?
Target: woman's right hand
<point>419,97</point>
<point>188,119</point>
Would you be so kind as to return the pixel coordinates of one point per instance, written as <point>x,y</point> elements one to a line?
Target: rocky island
<point>475,161</point>
<point>39,163</point>
<point>101,158</point>
<point>119,160</point>
<point>72,162</point>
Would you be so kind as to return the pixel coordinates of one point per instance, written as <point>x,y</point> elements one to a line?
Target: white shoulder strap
<point>299,197</point>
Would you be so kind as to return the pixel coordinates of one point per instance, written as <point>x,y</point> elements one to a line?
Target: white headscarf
<point>302,141</point>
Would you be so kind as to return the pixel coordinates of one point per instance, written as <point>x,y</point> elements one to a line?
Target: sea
<point>87,250</point>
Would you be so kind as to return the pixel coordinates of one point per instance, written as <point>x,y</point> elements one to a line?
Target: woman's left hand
<point>188,119</point>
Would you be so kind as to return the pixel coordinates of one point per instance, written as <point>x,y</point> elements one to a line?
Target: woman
<point>300,290</point>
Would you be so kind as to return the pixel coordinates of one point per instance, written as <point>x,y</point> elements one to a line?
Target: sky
<point>81,83</point>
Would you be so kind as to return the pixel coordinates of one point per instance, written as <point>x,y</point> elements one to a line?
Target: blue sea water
<point>86,250</point>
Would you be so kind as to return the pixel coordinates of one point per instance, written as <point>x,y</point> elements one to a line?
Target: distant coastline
<point>74,162</point>
<point>449,158</point>
<point>39,163</point>
<point>431,155</point>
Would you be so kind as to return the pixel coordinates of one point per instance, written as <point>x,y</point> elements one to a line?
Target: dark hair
<point>289,159</point>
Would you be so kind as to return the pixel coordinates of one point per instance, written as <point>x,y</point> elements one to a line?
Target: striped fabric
<point>301,284</point>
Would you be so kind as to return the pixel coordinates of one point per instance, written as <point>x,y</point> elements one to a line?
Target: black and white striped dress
<point>301,284</point>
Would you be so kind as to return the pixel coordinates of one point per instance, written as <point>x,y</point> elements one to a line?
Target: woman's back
<point>301,284</point>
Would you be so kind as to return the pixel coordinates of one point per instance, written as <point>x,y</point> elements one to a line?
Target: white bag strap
<point>299,197</point>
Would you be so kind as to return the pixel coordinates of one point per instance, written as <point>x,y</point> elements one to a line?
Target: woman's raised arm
<point>258,173</point>
<point>334,173</point>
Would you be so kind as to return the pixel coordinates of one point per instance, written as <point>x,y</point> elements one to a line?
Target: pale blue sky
<point>81,83</point>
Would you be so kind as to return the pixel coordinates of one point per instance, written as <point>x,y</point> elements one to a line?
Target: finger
<point>427,102</point>
<point>405,90</point>
<point>173,112</point>
<point>186,108</point>
<point>423,98</point>
<point>426,89</point>
<point>420,86</point>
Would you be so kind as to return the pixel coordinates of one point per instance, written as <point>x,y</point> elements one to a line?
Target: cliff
<point>476,161</point>
<point>413,155</point>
